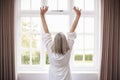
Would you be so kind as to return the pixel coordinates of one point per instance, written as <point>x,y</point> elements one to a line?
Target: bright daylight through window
<point>31,53</point>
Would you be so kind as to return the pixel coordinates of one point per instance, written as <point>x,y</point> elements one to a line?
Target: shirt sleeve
<point>71,38</point>
<point>47,40</point>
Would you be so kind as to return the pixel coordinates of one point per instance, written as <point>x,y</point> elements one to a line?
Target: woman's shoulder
<point>71,35</point>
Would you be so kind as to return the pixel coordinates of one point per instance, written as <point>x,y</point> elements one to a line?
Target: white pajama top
<point>59,64</point>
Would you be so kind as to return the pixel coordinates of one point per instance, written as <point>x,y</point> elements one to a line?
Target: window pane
<point>79,43</point>
<point>89,25</point>
<point>25,40</point>
<point>52,4</point>
<point>35,4</point>
<point>89,56</point>
<point>58,23</point>
<point>36,25</point>
<point>58,4</point>
<point>35,57</point>
<point>47,59</point>
<point>62,4</point>
<point>89,5</point>
<point>79,3</point>
<point>36,41</point>
<point>25,24</point>
<point>25,57</point>
<point>78,57</point>
<point>79,28</point>
<point>25,4</point>
<point>89,42</point>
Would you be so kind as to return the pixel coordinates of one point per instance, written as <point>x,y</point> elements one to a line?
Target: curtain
<point>119,47</point>
<point>119,53</point>
<point>110,43</point>
<point>7,56</point>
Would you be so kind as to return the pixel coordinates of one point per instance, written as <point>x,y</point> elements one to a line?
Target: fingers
<point>76,8</point>
<point>80,10</point>
<point>44,8</point>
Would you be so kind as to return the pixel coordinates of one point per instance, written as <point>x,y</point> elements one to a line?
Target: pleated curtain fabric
<point>110,44</point>
<point>7,56</point>
<point>119,55</point>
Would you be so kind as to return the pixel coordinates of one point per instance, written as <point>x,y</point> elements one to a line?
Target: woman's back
<point>59,67</point>
<point>59,60</point>
<point>59,63</point>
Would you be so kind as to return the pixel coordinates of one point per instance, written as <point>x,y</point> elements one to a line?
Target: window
<point>31,53</point>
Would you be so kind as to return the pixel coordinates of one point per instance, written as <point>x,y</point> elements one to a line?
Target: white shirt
<point>59,64</point>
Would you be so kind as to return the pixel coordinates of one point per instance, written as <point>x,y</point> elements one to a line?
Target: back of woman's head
<point>60,44</point>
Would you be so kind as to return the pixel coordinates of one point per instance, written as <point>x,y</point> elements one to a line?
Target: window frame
<point>35,13</point>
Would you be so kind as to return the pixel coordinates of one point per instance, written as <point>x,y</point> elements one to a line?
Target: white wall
<point>44,76</point>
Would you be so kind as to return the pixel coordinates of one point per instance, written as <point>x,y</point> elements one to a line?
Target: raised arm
<point>75,22</point>
<point>43,10</point>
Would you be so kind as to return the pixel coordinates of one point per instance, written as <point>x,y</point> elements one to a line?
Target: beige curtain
<point>110,44</point>
<point>7,63</point>
<point>119,46</point>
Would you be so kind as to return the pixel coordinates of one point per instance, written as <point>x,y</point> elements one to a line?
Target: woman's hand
<point>77,11</point>
<point>78,14</point>
<point>43,10</point>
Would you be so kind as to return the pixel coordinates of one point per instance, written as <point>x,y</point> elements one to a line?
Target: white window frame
<point>41,67</point>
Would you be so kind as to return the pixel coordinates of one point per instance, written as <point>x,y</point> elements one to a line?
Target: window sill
<point>46,72</point>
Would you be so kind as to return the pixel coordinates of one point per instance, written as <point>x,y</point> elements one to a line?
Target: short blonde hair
<point>60,44</point>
